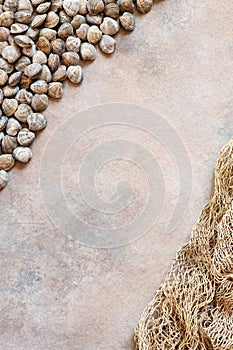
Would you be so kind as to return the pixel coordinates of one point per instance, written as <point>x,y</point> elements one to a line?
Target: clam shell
<point>23,41</point>
<point>45,74</point>
<point>95,6</point>
<point>22,154</point>
<point>6,162</point>
<point>96,19</point>
<point>44,7</point>
<point>56,5</point>
<point>23,112</point>
<point>13,126</point>
<point>65,30</point>
<point>144,6</point>
<point>3,77</point>
<point>4,33</point>
<point>38,20</point>
<point>73,44</point>
<point>52,20</point>
<point>77,21</point>
<point>127,20</point>
<point>71,7</point>
<point>109,26</point>
<point>9,106</point>
<point>10,5</point>
<point>58,46</point>
<point>88,52</point>
<point>18,28</point>
<point>55,90</point>
<point>25,5</point>
<point>112,10</point>
<point>22,63</point>
<point>81,32</point>
<point>29,51</point>
<point>33,33</point>
<point>11,53</point>
<point>14,79</point>
<point>39,57</point>
<point>6,18</point>
<point>3,179</point>
<point>24,96</point>
<point>53,62</point>
<point>39,87</point>
<point>82,7</point>
<point>39,102</point>
<point>3,44</point>
<point>9,91</point>
<point>36,121</point>
<point>94,35</point>
<point>23,16</point>
<point>70,59</point>
<point>33,70</point>
<point>6,66</point>
<point>125,5</point>
<point>3,122</point>
<point>63,17</point>
<point>25,82</point>
<point>25,137</point>
<point>60,74</point>
<point>75,74</point>
<point>107,44</point>
<point>48,33</point>
<point>9,143</point>
<point>43,44</point>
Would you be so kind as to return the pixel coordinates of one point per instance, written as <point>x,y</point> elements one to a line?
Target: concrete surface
<point>58,294</point>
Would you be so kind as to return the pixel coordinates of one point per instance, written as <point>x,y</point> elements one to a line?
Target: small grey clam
<point>81,32</point>
<point>3,77</point>
<point>33,70</point>
<point>14,79</point>
<point>77,21</point>
<point>13,126</point>
<point>71,7</point>
<point>144,6</point>
<point>70,58</point>
<point>6,162</point>
<point>95,6</point>
<point>9,143</point>
<point>88,52</point>
<point>94,35</point>
<point>11,53</point>
<point>39,57</point>
<point>9,106</point>
<point>53,62</point>
<point>55,90</point>
<point>109,26</point>
<point>60,74</point>
<point>107,44</point>
<point>25,137</point>
<point>3,179</point>
<point>39,87</point>
<point>23,112</point>
<point>52,20</point>
<point>75,74</point>
<point>73,44</point>
<point>22,154</point>
<point>10,91</point>
<point>39,102</point>
<point>36,121</point>
<point>127,20</point>
<point>24,96</point>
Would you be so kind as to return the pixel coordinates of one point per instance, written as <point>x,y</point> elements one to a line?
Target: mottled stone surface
<point>58,294</point>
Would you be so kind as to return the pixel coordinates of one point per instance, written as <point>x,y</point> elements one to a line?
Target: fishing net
<point>193,309</point>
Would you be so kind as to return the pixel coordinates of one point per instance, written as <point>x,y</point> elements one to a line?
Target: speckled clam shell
<point>33,33</point>
<point>107,44</point>
<point>94,35</point>
<point>25,5</point>
<point>94,19</point>
<point>58,46</point>
<point>144,6</point>
<point>109,26</point>
<point>3,179</point>
<point>65,30</point>
<point>39,102</point>
<point>45,74</point>
<point>29,51</point>
<point>75,74</point>
<point>127,20</point>
<point>25,137</point>
<point>3,77</point>
<point>39,87</point>
<point>52,20</point>
<point>81,32</point>
<point>71,7</point>
<point>88,52</point>
<point>70,59</point>
<point>112,10</point>
<point>22,154</point>
<point>43,44</point>
<point>53,62</point>
<point>22,63</point>
<point>9,91</point>
<point>23,112</point>
<point>6,18</point>
<point>23,16</point>
<point>3,122</point>
<point>95,6</point>
<point>4,33</point>
<point>23,41</point>
<point>55,90</point>
<point>9,143</point>
<point>39,57</point>
<point>48,33</point>
<point>33,70</point>
<point>60,74</point>
<point>25,82</point>
<point>6,66</point>
<point>77,21</point>
<point>36,121</point>
<point>9,106</point>
<point>14,79</point>
<point>6,162</point>
<point>18,28</point>
<point>73,44</point>
<point>13,126</point>
<point>44,7</point>
<point>24,96</point>
<point>11,53</point>
<point>125,5</point>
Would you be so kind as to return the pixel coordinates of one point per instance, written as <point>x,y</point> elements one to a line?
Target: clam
<point>9,143</point>
<point>33,33</point>
<point>6,18</point>
<point>43,44</point>
<point>14,78</point>
<point>112,10</point>
<point>3,44</point>
<point>39,102</point>
<point>48,33</point>
<point>25,5</point>
<point>36,121</point>
<point>10,5</point>
<point>3,179</point>
<point>56,5</point>
<point>55,90</point>
<point>25,81</point>
<point>22,154</point>
<point>70,59</point>
<point>9,91</point>
<point>94,19</point>
<point>6,66</point>
<point>81,32</point>
<point>25,137</point>
<point>13,126</point>
<point>22,63</point>
<point>29,51</point>
<point>94,35</point>
<point>6,162</point>
<point>71,7</point>
<point>3,77</point>
<point>44,7</point>
<point>144,6</point>
<point>63,17</point>
<point>39,87</point>
<point>3,122</point>
<point>109,26</point>
<point>52,20</point>
<point>60,74</point>
<point>75,74</point>
<point>11,53</point>
<point>39,57</point>
<point>38,20</point>
<point>18,28</point>
<point>23,112</point>
<point>95,6</point>
<point>65,30</point>
<point>127,20</point>
<point>9,106</point>
<point>4,33</point>
<point>73,44</point>
<point>24,96</point>
<point>88,52</point>
<point>82,7</point>
<point>23,40</point>
<point>107,44</point>
<point>53,62</point>
<point>45,74</point>
<point>58,46</point>
<point>23,16</point>
<point>77,21</point>
<point>33,70</point>
<point>125,5</point>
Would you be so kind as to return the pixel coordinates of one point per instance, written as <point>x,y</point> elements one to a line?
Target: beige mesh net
<point>193,309</point>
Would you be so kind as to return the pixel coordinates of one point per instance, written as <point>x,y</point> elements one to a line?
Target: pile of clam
<point>41,44</point>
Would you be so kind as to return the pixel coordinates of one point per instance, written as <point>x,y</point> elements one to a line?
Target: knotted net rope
<point>193,309</point>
